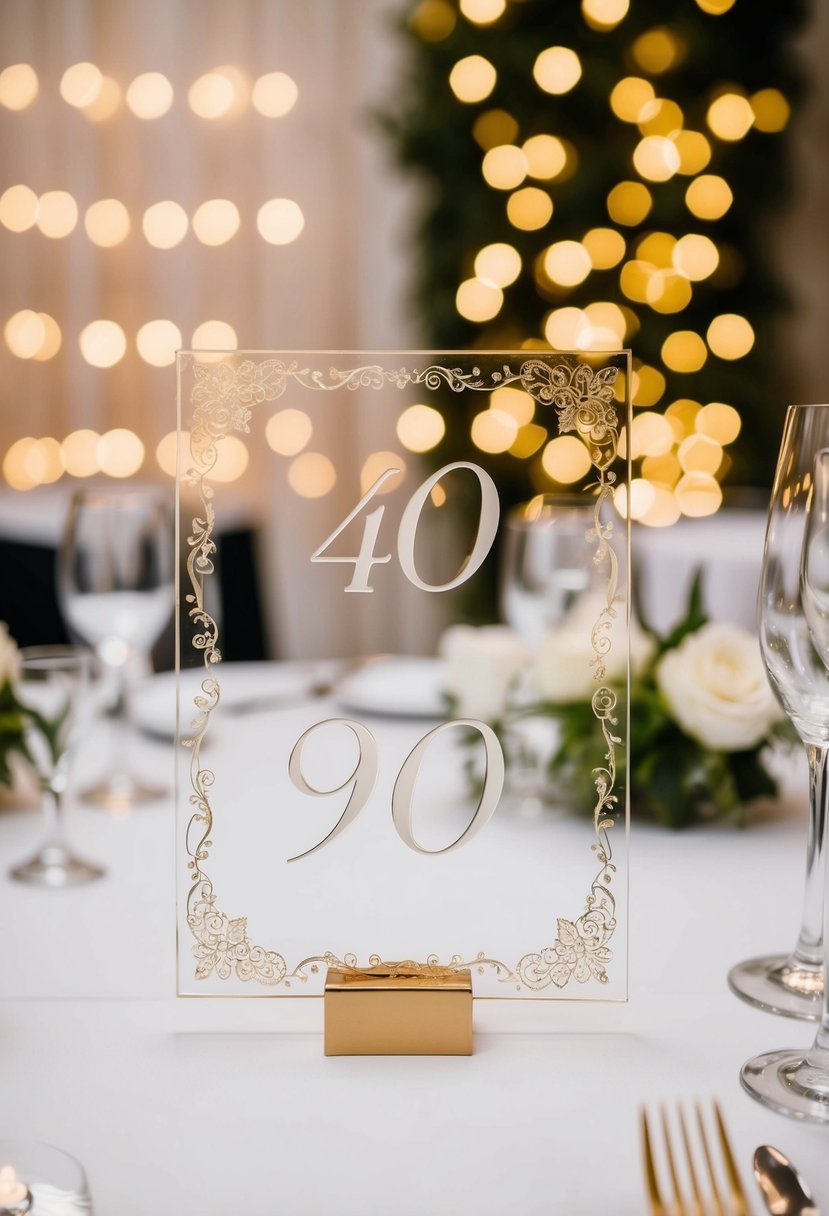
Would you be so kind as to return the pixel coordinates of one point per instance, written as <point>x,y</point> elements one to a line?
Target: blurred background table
<point>205,1105</point>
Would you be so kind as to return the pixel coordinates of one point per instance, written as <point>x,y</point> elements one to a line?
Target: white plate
<point>397,686</point>
<point>247,685</point>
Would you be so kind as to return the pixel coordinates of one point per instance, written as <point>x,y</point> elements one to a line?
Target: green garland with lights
<point>635,79</point>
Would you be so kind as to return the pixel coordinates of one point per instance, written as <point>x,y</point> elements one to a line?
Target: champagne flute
<point>792,984</point>
<point>796,648</point>
<point>115,583</point>
<point>51,690</point>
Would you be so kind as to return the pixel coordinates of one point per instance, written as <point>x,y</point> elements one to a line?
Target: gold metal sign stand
<point>408,1010</point>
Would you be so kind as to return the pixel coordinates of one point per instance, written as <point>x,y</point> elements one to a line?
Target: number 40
<point>366,558</point>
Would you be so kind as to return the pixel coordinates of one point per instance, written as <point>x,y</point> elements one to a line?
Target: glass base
<point>122,792</point>
<point>783,1081</point>
<point>776,983</point>
<point>55,866</point>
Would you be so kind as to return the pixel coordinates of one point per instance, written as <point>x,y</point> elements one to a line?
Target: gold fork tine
<point>738,1195</point>
<point>654,1197</point>
<point>699,1209</point>
<point>712,1177</point>
<point>678,1200</point>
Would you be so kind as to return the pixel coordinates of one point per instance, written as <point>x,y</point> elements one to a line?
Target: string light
<point>630,96</point>
<point>81,84</point>
<point>212,95</point>
<point>478,301</point>
<point>504,167</point>
<point>566,460</point>
<point>604,14</point>
<point>661,117</point>
<point>696,256</point>
<point>150,95</point>
<point>25,333</point>
<point>656,158</point>
<point>482,12</point>
<point>19,208</point>
<point>312,475</point>
<point>628,203</point>
<point>275,94</point>
<point>216,221</point>
<point>52,338</point>
<point>730,336</point>
<point>557,70</point>
<point>499,264</point>
<point>57,213</point>
<point>472,79</point>
<point>684,351</point>
<point>529,209</point>
<point>709,197</point>
<point>103,343</point>
<point>288,431</point>
<point>658,50</point>
<point>698,494</point>
<point>433,20</point>
<point>214,335</point>
<point>79,452</point>
<point>280,221</point>
<point>105,103</point>
<point>157,342</point>
<point>120,453</point>
<point>605,247</point>
<point>232,459</point>
<point>165,224</point>
<point>493,127</point>
<point>545,155</point>
<point>107,222</point>
<point>694,151</point>
<point>771,110</point>
<point>567,263</point>
<point>730,116</point>
<point>420,428</point>
<point>719,421</point>
<point>375,465</point>
<point>515,402</point>
<point>19,86</point>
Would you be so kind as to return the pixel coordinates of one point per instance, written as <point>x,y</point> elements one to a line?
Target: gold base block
<point>384,1011</point>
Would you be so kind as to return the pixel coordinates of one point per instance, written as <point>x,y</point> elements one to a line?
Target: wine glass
<point>115,583</point>
<point>792,984</point>
<point>51,690</point>
<point>41,1178</point>
<point>792,593</point>
<point>546,566</point>
<point>548,581</point>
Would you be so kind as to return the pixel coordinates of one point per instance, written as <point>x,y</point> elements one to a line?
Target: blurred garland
<point>743,50</point>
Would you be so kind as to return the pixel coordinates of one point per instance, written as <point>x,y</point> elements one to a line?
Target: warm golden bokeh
<point>57,214</point>
<point>504,167</point>
<point>288,431</point>
<point>19,86</point>
<point>472,79</point>
<point>709,196</point>
<point>275,94</point>
<point>280,221</point>
<point>107,222</point>
<point>165,224</point>
<point>478,301</point>
<point>150,95</point>
<point>630,96</point>
<point>629,203</point>
<point>103,343</point>
<point>420,428</point>
<point>566,460</point>
<point>529,209</point>
<point>557,70</point>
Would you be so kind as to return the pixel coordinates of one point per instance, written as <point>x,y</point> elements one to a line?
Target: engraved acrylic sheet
<point>367,816</point>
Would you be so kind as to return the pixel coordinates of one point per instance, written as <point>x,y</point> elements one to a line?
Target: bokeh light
<point>81,84</point>
<point>567,263</point>
<point>499,264</point>
<point>472,79</point>
<point>275,94</point>
<point>493,431</point>
<point>214,335</point>
<point>658,50</point>
<point>174,444</point>
<point>513,401</point>
<point>157,342</point>
<point>150,95</point>
<point>628,203</point>
<point>288,431</point>
<point>630,96</point>
<point>216,221</point>
<point>478,301</point>
<point>120,453</point>
<point>504,167</point>
<point>280,221</point>
<point>103,343</point>
<point>771,110</point>
<point>694,151</point>
<point>568,329</point>
<point>57,213</point>
<point>730,116</point>
<point>433,20</point>
<point>700,454</point>
<point>546,156</point>
<point>730,336</point>
<point>648,385</point>
<point>16,468</point>
<point>668,291</point>
<point>715,8</point>
<point>709,196</point>
<point>529,208</point>
<point>107,222</point>
<point>650,435</point>
<point>482,12</point>
<point>696,256</point>
<point>25,333</point>
<point>79,452</point>
<point>19,208</point>
<point>420,428</point>
<point>212,95</point>
<point>18,86</point>
<point>566,460</point>
<point>605,247</point>
<point>684,351</point>
<point>656,158</point>
<point>719,421</point>
<point>231,459</point>
<point>604,14</point>
<point>52,338</point>
<point>165,224</point>
<point>557,70</point>
<point>312,475</point>
<point>106,103</point>
<point>664,509</point>
<point>698,494</point>
<point>493,127</point>
<point>376,465</point>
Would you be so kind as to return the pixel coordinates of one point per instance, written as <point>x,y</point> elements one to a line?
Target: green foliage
<point>746,49</point>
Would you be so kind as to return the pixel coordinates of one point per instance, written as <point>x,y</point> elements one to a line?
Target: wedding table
<point>210,1106</point>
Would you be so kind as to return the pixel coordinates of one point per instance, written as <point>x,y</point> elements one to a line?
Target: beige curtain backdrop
<point>340,285</point>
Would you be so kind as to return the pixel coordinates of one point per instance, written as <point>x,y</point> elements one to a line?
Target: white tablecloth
<point>214,1106</point>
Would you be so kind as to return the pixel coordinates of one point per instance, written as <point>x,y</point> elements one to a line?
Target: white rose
<point>9,656</point>
<point>564,663</point>
<point>716,688</point>
<point>481,665</point>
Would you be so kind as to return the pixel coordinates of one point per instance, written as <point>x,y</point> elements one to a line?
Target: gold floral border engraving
<point>223,399</point>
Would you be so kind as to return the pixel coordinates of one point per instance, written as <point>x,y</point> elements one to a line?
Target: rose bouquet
<point>702,714</point>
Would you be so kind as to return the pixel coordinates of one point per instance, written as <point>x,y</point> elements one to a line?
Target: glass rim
<point>27,1145</point>
<point>119,496</point>
<point>539,510</point>
<point>59,652</point>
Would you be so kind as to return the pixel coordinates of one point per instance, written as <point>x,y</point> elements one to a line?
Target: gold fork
<point>697,1206</point>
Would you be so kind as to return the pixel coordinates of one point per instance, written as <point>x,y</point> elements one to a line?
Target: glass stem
<point>809,950</point>
<point>53,816</point>
<point>120,734</point>
<point>818,1054</point>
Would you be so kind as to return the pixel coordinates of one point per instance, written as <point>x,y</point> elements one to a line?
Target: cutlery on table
<point>706,1192</point>
<point>785,1192</point>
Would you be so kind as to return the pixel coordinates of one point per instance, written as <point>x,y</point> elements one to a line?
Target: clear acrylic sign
<point>393,784</point>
